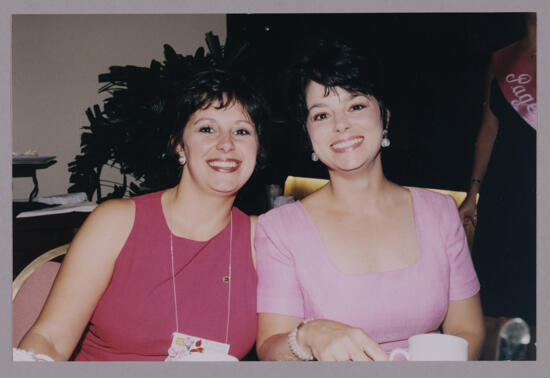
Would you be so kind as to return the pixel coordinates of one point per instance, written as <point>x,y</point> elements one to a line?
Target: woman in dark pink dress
<point>168,275</point>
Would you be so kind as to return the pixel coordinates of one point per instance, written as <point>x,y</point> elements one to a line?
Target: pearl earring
<point>182,159</point>
<point>385,139</point>
<point>314,156</point>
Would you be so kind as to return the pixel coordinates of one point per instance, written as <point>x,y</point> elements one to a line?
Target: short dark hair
<point>224,88</point>
<point>333,64</point>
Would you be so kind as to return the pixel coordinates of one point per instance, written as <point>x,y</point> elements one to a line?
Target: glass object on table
<point>281,200</point>
<point>513,339</point>
<point>272,192</point>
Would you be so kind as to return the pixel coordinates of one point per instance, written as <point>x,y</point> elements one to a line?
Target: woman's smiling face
<point>345,128</point>
<point>220,146</point>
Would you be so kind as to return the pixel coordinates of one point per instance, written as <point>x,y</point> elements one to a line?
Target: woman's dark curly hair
<point>225,89</point>
<point>333,64</point>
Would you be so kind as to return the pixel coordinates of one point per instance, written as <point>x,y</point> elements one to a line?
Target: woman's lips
<point>224,165</point>
<point>346,145</point>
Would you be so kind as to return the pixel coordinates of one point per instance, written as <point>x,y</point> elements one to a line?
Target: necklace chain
<point>228,272</point>
<point>174,280</point>
<point>229,276</point>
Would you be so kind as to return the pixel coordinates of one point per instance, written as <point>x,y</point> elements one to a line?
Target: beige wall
<point>56,62</point>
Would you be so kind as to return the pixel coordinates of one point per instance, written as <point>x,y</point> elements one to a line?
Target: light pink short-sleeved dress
<point>296,277</point>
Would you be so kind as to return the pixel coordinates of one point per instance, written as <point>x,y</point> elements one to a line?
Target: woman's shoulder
<point>241,214</point>
<point>438,209</point>
<point>241,219</point>
<point>148,197</point>
<point>430,196</point>
<point>119,206</point>
<point>281,215</point>
<point>105,230</point>
<point>282,211</point>
<point>433,205</point>
<point>115,213</point>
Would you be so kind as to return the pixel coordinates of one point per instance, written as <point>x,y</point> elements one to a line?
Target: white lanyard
<point>226,279</point>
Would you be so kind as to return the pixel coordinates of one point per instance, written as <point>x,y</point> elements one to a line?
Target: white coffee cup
<point>434,347</point>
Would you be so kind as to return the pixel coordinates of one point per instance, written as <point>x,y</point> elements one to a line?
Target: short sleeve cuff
<point>467,290</point>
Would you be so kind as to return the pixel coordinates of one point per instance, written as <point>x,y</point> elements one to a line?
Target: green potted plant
<point>131,132</point>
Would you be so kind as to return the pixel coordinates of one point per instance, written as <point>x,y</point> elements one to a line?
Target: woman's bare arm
<point>272,339</point>
<point>465,319</point>
<point>482,154</point>
<point>82,279</point>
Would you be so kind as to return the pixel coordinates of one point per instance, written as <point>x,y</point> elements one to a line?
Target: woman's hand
<point>326,340</point>
<point>467,210</point>
<point>333,341</point>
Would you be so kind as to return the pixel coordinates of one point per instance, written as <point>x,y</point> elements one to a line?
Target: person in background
<point>170,274</point>
<point>354,269</point>
<point>504,176</point>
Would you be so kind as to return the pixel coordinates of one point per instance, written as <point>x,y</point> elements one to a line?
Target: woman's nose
<point>225,143</point>
<point>341,123</point>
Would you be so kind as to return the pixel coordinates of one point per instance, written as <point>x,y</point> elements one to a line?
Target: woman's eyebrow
<point>355,95</point>
<point>248,122</point>
<point>203,119</point>
<point>317,105</point>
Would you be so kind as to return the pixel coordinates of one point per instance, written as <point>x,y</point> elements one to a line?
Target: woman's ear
<point>181,154</point>
<point>179,149</point>
<point>175,145</point>
<point>388,116</point>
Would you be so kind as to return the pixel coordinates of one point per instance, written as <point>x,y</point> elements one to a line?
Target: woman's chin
<point>353,165</point>
<point>226,190</point>
<point>347,168</point>
<point>228,187</point>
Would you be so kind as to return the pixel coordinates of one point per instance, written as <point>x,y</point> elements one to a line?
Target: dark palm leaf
<point>131,132</point>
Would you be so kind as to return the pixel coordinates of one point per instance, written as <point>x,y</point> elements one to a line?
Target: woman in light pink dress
<point>354,269</point>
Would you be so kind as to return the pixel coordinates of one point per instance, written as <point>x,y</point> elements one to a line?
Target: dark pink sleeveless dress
<point>135,318</point>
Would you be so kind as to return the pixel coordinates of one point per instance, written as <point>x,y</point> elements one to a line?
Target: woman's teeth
<point>223,164</point>
<point>347,143</point>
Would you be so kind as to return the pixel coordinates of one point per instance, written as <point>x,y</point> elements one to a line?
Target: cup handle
<point>397,351</point>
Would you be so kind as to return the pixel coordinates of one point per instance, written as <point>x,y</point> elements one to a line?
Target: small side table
<point>28,169</point>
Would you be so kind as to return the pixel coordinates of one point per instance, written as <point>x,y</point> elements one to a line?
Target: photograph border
<point>537,368</point>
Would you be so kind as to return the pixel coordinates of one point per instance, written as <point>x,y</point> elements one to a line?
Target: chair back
<point>300,187</point>
<point>30,290</point>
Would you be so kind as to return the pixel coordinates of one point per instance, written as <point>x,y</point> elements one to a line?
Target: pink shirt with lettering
<point>296,277</point>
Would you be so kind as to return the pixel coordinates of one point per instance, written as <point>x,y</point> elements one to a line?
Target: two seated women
<point>348,273</point>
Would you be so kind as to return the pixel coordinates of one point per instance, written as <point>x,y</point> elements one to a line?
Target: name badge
<point>184,346</point>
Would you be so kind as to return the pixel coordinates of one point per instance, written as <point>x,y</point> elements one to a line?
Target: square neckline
<point>323,251</point>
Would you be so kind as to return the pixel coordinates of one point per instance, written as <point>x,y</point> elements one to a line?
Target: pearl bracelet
<point>293,344</point>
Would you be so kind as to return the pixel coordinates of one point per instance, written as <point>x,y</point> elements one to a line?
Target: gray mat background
<point>10,369</point>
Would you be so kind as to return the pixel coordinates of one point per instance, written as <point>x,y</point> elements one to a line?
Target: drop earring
<point>314,156</point>
<point>182,159</point>
<point>385,139</point>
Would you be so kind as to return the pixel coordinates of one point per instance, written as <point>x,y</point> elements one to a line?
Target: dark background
<point>433,67</point>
